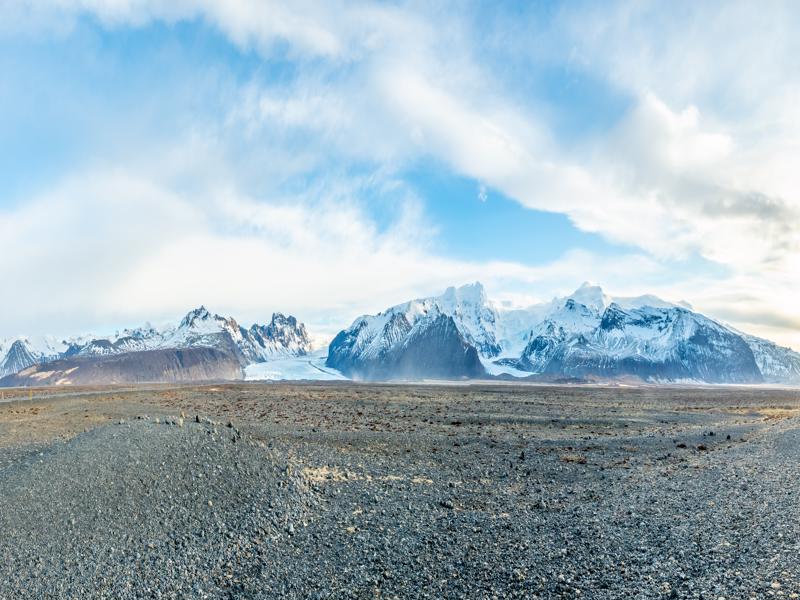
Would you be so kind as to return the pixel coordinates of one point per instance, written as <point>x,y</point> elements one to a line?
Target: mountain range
<point>203,346</point>
<point>587,335</point>
<point>461,334</point>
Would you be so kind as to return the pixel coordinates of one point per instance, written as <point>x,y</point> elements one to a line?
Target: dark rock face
<point>151,366</point>
<point>431,349</point>
<point>343,353</point>
<point>717,356</point>
<point>17,358</point>
<point>613,318</point>
<point>437,351</point>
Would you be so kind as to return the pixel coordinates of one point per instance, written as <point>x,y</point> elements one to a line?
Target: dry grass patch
<point>573,458</point>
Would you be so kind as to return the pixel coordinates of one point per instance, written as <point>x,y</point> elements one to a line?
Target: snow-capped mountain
<point>776,363</point>
<point>282,337</point>
<point>391,346</point>
<point>590,333</point>
<point>474,316</point>
<point>514,326</point>
<point>440,336</point>
<point>18,357</point>
<point>19,353</point>
<point>669,344</point>
<point>587,334</point>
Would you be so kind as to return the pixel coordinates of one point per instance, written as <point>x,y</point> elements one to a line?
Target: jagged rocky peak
<point>287,328</point>
<point>283,335</point>
<point>194,316</point>
<point>658,344</point>
<point>22,352</point>
<point>594,297</point>
<point>202,318</point>
<point>473,314</point>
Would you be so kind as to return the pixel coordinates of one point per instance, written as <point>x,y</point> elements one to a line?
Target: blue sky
<point>332,158</point>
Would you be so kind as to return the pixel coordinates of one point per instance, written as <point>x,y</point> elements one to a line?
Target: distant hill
<point>146,366</point>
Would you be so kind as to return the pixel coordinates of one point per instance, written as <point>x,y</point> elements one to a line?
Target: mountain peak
<point>199,314</point>
<point>473,293</point>
<point>279,318</point>
<point>591,296</point>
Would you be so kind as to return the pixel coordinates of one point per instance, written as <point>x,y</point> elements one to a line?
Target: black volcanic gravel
<point>181,509</point>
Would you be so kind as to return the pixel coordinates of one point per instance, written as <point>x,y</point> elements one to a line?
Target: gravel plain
<point>356,491</point>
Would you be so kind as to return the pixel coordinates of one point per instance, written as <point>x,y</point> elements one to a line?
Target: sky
<point>327,159</point>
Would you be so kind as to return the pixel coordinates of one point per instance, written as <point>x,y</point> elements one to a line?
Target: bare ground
<point>409,491</point>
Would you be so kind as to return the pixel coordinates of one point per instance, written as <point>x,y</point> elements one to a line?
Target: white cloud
<point>704,163</point>
<point>118,248</point>
<point>311,28</point>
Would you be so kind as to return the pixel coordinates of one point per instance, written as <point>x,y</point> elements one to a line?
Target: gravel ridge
<point>143,510</point>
